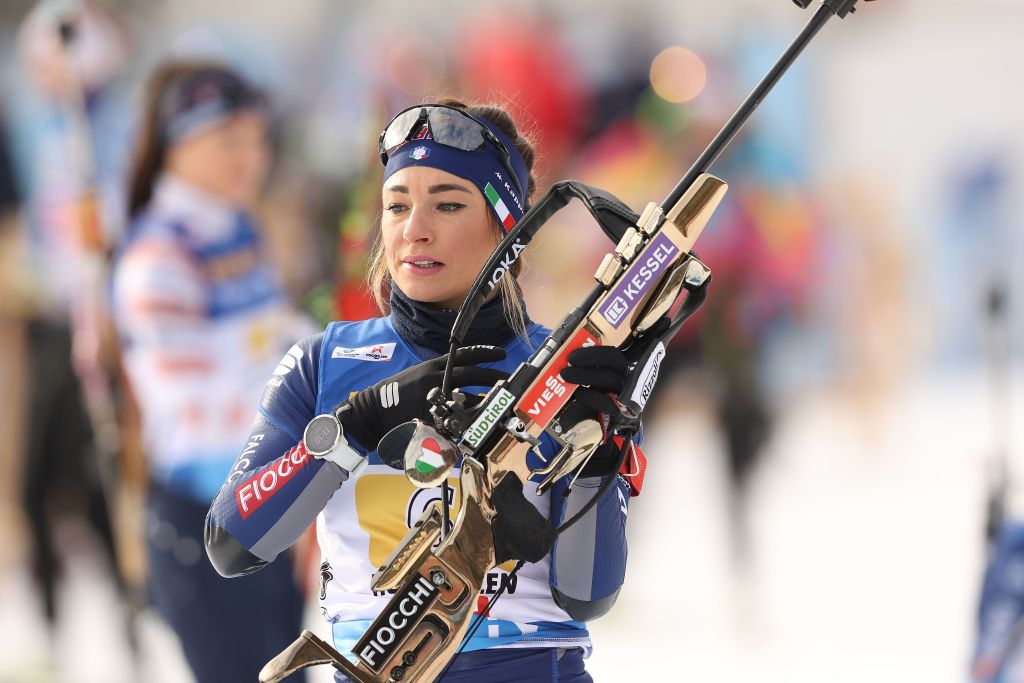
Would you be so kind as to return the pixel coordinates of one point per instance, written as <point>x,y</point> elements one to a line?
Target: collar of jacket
<point>206,218</point>
<point>429,329</point>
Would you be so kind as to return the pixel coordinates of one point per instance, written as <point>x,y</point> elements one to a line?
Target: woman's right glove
<point>371,413</point>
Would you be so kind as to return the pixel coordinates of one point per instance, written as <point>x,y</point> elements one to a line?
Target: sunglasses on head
<point>447,126</point>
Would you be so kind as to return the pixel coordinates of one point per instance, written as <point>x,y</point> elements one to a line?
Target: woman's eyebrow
<point>433,189</point>
<point>447,187</point>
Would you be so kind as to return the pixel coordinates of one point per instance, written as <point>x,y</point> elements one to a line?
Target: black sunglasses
<point>447,126</point>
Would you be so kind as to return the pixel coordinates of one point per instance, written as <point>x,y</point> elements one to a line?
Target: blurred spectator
<point>70,119</point>
<point>9,195</point>
<point>191,282</point>
<point>12,345</point>
<point>519,61</point>
<point>70,53</point>
<point>999,651</point>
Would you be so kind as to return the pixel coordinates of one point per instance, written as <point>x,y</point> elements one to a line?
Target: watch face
<point>322,434</point>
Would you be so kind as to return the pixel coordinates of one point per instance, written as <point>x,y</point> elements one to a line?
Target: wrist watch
<point>325,439</point>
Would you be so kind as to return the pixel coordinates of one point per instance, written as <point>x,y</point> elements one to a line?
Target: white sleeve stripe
<point>389,395</point>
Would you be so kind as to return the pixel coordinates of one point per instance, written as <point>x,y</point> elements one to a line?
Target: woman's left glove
<point>373,412</point>
<point>600,372</point>
<point>608,378</point>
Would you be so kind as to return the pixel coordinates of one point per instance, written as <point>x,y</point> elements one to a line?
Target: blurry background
<point>825,439</point>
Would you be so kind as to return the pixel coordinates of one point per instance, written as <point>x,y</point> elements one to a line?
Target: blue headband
<point>203,99</point>
<point>484,167</point>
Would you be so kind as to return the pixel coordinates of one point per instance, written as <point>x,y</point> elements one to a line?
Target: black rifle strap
<point>480,618</point>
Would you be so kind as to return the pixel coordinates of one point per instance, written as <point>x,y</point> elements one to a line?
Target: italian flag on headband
<point>499,207</point>
<point>430,459</point>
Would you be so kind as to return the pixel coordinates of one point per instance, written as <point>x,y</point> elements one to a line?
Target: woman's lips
<point>422,265</point>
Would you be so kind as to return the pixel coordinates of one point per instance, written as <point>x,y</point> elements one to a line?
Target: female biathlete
<point>457,178</point>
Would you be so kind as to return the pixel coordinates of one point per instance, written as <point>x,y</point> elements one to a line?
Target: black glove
<point>601,373</point>
<point>373,412</point>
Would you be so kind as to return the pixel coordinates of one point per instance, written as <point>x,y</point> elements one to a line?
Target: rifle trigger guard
<point>580,442</point>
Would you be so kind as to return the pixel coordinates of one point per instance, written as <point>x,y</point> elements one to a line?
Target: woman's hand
<point>600,372</point>
<point>373,412</point>
<point>603,372</point>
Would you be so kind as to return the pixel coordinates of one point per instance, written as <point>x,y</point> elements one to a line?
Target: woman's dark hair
<point>151,143</point>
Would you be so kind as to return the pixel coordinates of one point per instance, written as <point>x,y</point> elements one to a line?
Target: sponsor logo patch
<point>420,152</point>
<point>287,364</point>
<point>551,392</point>
<point>642,393</point>
<point>507,260</point>
<point>617,308</point>
<point>389,395</point>
<point>257,490</point>
<point>377,353</point>
<point>637,280</point>
<point>379,643</point>
<point>244,460</point>
<point>492,412</point>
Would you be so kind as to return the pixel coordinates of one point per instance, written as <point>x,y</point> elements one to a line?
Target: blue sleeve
<point>275,489</point>
<point>588,561</point>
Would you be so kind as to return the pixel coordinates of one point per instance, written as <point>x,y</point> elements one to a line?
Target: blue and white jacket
<point>275,491</point>
<point>190,284</point>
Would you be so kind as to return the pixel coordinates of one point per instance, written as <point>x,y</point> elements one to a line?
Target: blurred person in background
<point>456,179</point>
<point>501,55</point>
<point>767,232</point>
<point>12,350</point>
<point>999,649</point>
<point>65,125</point>
<point>981,191</point>
<point>202,321</point>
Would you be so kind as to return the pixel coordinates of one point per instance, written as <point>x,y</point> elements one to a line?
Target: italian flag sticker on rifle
<point>431,459</point>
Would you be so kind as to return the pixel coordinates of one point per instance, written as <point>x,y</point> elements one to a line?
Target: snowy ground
<point>867,549</point>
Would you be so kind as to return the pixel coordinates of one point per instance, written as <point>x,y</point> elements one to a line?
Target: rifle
<point>650,272</point>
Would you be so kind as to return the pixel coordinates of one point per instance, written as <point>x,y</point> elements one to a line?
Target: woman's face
<point>437,233</point>
<point>229,160</point>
